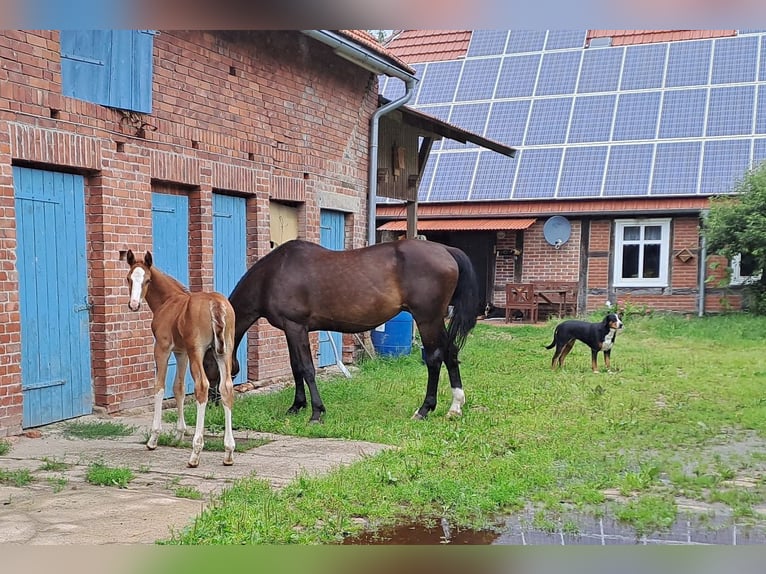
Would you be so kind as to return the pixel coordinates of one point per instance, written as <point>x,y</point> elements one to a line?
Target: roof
<point>626,37</point>
<point>531,208</point>
<point>664,119</point>
<point>429,123</point>
<point>429,45</point>
<point>461,224</point>
<point>368,41</point>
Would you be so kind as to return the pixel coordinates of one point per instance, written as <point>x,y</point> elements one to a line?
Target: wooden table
<point>562,302</point>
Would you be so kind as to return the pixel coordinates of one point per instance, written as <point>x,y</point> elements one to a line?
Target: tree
<point>736,224</point>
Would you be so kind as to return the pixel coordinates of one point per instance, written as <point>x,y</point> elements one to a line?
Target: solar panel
<point>560,39</point>
<point>517,76</point>
<point>582,171</point>
<point>538,173</point>
<point>683,113</point>
<point>487,42</point>
<point>644,66</point>
<point>724,163</point>
<point>471,117</point>
<point>428,174</point>
<point>494,176</point>
<point>478,80</point>
<point>762,59</point>
<point>688,63</point>
<point>452,179</point>
<point>759,151</point>
<point>591,119</point>
<point>733,60</point>
<point>636,117</point>
<point>548,122</point>
<point>439,82</point>
<point>600,70</point>
<point>676,168</point>
<point>760,111</point>
<point>521,41</point>
<point>628,169</point>
<point>507,121</point>
<point>558,73</point>
<point>730,111</point>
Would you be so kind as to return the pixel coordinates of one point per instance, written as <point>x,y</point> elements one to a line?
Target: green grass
<point>682,413</point>
<point>15,477</point>
<point>102,475</point>
<point>51,464</point>
<point>188,492</point>
<point>5,447</point>
<point>97,430</point>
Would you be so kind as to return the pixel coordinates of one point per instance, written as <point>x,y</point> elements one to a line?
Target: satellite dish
<point>557,230</point>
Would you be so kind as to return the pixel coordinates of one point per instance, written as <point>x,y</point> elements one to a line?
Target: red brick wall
<point>292,120</point>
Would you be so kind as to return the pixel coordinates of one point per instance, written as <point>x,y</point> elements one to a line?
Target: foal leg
<point>179,391</point>
<point>226,387</point>
<point>161,357</point>
<point>201,386</point>
<point>299,402</point>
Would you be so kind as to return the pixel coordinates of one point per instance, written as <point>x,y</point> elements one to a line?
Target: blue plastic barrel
<point>394,337</point>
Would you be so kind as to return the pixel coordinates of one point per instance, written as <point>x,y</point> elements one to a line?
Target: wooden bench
<point>520,297</point>
<point>557,297</point>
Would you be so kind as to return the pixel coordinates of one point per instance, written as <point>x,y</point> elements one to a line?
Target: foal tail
<point>218,312</point>
<point>465,300</point>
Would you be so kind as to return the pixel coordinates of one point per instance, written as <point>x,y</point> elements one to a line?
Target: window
<point>108,67</point>
<point>641,252</point>
<point>744,269</point>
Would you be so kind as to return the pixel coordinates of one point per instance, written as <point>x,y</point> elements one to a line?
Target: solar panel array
<point>672,118</point>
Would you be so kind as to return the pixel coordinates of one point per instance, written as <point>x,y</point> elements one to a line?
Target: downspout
<point>703,269</point>
<point>376,64</point>
<point>372,188</point>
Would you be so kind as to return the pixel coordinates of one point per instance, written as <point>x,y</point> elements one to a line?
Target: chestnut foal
<point>186,324</point>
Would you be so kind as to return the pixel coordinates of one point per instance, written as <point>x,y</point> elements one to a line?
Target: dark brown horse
<point>301,287</point>
<point>185,324</point>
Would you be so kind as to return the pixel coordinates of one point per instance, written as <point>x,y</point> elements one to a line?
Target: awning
<point>474,224</point>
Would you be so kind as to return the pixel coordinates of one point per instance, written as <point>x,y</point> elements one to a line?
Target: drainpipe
<point>368,60</point>
<point>703,269</point>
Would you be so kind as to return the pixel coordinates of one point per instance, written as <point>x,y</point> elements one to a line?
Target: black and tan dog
<point>598,336</point>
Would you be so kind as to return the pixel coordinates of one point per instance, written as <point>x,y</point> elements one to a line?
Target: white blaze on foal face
<point>136,282</point>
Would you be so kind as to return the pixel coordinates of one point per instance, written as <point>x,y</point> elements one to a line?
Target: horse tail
<point>218,316</point>
<point>465,300</point>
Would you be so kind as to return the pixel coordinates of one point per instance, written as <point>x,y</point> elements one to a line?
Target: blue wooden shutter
<point>108,67</point>
<point>85,62</point>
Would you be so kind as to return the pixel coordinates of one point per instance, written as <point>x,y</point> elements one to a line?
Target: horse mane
<point>169,279</point>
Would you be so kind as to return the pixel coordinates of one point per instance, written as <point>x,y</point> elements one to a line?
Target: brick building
<point>623,136</point>
<point>204,147</point>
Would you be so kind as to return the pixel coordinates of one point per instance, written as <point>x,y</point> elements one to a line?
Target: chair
<point>520,297</point>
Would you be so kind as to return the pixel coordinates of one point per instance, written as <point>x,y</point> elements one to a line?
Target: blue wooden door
<point>53,296</point>
<point>332,236</point>
<point>170,248</point>
<point>230,256</point>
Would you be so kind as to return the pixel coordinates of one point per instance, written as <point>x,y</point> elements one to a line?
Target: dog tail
<point>553,343</point>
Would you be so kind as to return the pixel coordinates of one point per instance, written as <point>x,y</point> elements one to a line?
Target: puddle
<point>580,531</point>
<point>421,535</point>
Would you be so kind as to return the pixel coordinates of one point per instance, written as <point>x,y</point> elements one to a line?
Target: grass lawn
<point>681,417</point>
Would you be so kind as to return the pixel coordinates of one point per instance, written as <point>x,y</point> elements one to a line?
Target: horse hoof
<point>453,414</point>
<point>228,462</point>
<point>151,446</point>
<point>191,464</point>
<point>315,422</point>
<point>418,417</point>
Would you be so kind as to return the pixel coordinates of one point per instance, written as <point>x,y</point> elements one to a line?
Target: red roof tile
<point>472,224</point>
<point>532,208</point>
<point>366,39</point>
<point>414,46</point>
<point>626,37</point>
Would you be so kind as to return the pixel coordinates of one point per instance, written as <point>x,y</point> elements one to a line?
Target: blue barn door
<point>332,236</point>
<point>170,250</point>
<point>53,296</point>
<point>230,256</point>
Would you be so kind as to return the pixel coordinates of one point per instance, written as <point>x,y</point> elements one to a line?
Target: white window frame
<point>619,233</point>
<point>738,279</point>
